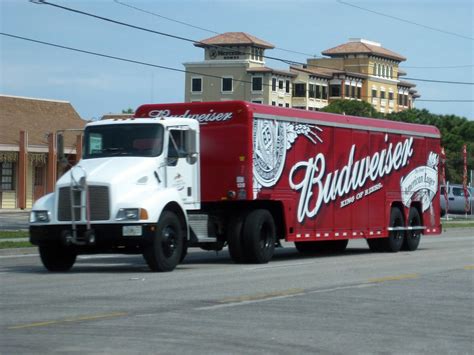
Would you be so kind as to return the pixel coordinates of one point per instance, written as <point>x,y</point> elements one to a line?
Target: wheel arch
<point>417,206</point>
<point>399,205</point>
<point>174,207</point>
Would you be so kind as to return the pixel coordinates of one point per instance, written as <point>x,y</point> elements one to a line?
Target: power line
<point>200,28</point>
<point>454,100</point>
<point>406,21</point>
<point>288,62</point>
<point>441,81</point>
<point>159,66</point>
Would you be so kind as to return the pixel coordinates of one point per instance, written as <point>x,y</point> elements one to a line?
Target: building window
<point>312,91</point>
<point>359,92</point>
<point>274,84</point>
<point>39,176</point>
<point>7,176</point>
<point>335,90</point>
<point>287,87</point>
<point>325,92</point>
<point>299,90</point>
<point>257,101</point>
<point>227,85</point>
<point>390,95</point>
<point>347,90</point>
<point>400,99</point>
<point>287,105</point>
<point>196,84</point>
<point>280,84</point>
<point>374,92</point>
<point>382,94</point>
<point>353,94</point>
<point>274,103</point>
<point>318,91</point>
<point>257,83</point>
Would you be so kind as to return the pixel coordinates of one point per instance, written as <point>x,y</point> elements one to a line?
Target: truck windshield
<point>136,140</point>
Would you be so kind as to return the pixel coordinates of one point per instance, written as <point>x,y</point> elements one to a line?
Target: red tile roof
<point>362,48</point>
<point>234,38</point>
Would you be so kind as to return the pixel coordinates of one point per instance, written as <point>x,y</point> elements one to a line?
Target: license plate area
<point>132,231</point>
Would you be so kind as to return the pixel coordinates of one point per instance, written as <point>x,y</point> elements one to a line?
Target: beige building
<point>234,69</point>
<point>28,160</point>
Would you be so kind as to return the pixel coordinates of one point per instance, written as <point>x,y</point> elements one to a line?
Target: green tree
<point>128,110</point>
<point>455,132</point>
<point>352,108</point>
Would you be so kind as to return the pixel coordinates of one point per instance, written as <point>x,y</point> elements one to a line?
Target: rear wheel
<point>235,238</point>
<point>56,257</point>
<point>166,251</point>
<point>259,236</point>
<point>394,242</point>
<point>413,236</point>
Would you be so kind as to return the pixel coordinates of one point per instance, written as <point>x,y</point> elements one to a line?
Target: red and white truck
<point>242,175</point>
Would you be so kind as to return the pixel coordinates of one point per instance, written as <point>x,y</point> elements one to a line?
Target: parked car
<point>456,199</point>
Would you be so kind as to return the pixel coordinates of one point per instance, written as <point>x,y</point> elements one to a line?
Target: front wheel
<point>166,251</point>
<point>57,258</point>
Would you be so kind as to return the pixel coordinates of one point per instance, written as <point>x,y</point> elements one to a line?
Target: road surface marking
<point>394,278</point>
<point>69,320</point>
<point>264,297</point>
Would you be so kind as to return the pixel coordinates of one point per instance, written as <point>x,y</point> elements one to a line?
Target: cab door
<point>182,172</point>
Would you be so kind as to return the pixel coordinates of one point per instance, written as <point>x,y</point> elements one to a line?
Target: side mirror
<point>191,146</point>
<point>190,142</point>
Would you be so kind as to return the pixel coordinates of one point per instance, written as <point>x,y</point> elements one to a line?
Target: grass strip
<point>13,234</point>
<point>457,224</point>
<point>11,244</point>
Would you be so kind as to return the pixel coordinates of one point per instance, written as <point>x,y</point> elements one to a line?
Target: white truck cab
<point>129,193</point>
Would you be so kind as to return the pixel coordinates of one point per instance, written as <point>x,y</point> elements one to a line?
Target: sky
<point>436,37</point>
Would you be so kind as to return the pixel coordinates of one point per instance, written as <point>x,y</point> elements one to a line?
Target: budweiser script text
<point>317,186</point>
<point>211,116</point>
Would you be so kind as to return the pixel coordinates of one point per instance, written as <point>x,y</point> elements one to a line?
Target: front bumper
<point>107,237</point>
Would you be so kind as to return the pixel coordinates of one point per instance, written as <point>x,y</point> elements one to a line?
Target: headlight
<point>39,217</point>
<point>131,214</point>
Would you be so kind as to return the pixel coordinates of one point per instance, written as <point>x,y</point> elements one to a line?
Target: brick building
<point>28,162</point>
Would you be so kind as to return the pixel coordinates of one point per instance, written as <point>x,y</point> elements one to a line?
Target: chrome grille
<point>64,204</point>
<point>98,200</point>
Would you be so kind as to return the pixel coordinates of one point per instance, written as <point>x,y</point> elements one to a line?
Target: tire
<point>412,237</point>
<point>259,236</point>
<point>57,258</point>
<point>395,239</point>
<point>167,249</point>
<point>235,239</point>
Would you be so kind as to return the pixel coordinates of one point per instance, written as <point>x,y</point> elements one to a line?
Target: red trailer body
<point>324,176</point>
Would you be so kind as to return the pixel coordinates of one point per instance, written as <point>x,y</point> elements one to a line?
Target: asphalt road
<point>17,220</point>
<point>356,303</point>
